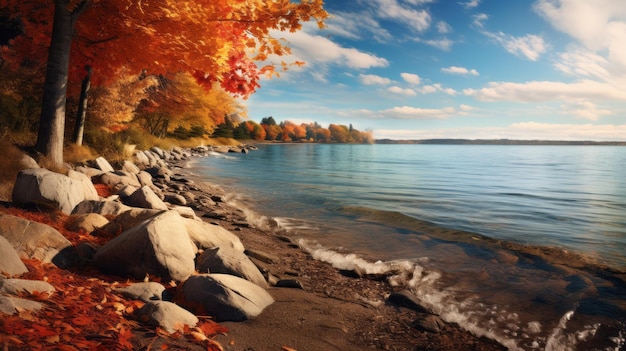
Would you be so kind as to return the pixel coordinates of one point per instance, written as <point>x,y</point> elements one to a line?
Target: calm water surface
<point>523,244</point>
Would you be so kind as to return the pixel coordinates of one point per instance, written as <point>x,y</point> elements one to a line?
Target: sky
<point>474,69</point>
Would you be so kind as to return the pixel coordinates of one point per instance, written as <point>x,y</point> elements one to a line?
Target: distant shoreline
<point>498,142</point>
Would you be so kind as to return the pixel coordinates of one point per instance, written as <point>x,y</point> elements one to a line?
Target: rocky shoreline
<point>164,227</point>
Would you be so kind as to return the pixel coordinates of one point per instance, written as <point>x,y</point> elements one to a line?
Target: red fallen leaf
<point>210,328</point>
<point>43,331</point>
<point>81,320</point>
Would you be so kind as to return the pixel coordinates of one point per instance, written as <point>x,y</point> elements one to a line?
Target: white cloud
<point>443,27</point>
<point>402,91</point>
<point>434,88</point>
<point>411,78</point>
<point>530,46</point>
<point>542,91</point>
<point>316,48</point>
<point>418,20</point>
<point>519,131</point>
<point>599,28</point>
<point>471,4</point>
<point>444,44</point>
<point>479,19</point>
<point>460,70</point>
<point>408,112</point>
<point>355,26</point>
<point>371,79</point>
<point>585,110</point>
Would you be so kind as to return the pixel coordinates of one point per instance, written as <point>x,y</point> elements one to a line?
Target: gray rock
<point>184,211</point>
<point>144,197</point>
<point>119,179</point>
<point>103,164</point>
<point>89,191</point>
<point>12,305</point>
<point>10,262</point>
<point>127,191</point>
<point>89,171</point>
<point>166,315</point>
<point>101,207</point>
<point>39,186</point>
<point>159,246</point>
<point>20,286</point>
<point>148,291</point>
<point>225,297</point>
<point>129,219</point>
<point>175,199</point>
<point>36,240</point>
<point>130,167</point>
<point>87,222</point>
<point>158,151</point>
<point>145,178</point>
<point>230,261</point>
<point>141,159</point>
<point>206,235</point>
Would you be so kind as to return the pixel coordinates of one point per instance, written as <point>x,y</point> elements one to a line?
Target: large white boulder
<point>103,164</point>
<point>89,191</point>
<point>36,240</point>
<point>206,235</point>
<point>230,261</point>
<point>39,186</point>
<point>159,246</point>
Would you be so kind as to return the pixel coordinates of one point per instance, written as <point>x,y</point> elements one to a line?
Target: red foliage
<point>84,313</point>
<point>103,190</point>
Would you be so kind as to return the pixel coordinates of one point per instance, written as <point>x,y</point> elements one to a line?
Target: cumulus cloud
<point>542,91</point>
<point>530,46</point>
<point>460,70</point>
<point>402,91</point>
<point>599,29</point>
<point>585,110</point>
<point>411,78</point>
<point>434,88</point>
<point>418,20</point>
<point>316,48</point>
<point>372,79</point>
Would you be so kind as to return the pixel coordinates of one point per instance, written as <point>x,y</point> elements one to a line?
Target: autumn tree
<point>217,41</point>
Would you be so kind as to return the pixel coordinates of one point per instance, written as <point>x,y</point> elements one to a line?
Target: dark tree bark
<point>82,108</point>
<point>52,120</point>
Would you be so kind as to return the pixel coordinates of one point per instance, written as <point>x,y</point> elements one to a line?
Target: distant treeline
<point>499,142</point>
<point>288,131</point>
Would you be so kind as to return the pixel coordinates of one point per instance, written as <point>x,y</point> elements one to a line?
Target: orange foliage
<point>218,41</point>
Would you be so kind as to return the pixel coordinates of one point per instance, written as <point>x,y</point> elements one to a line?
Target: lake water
<point>522,244</point>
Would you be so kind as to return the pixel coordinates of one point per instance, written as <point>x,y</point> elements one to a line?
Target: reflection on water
<point>523,244</point>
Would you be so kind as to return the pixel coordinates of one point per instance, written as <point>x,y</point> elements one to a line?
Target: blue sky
<point>476,69</point>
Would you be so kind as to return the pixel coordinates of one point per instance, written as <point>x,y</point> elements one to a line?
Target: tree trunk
<point>52,121</point>
<point>82,108</point>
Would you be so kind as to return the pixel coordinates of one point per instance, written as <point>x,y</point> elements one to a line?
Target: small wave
<point>220,155</point>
